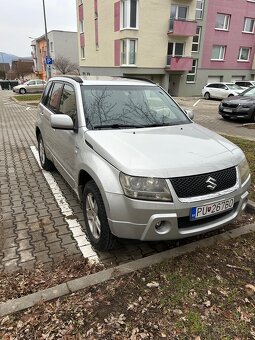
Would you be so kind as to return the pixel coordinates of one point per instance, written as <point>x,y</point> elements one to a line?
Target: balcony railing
<point>179,63</point>
<point>182,27</point>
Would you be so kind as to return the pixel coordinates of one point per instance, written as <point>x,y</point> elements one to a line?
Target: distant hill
<point>8,58</point>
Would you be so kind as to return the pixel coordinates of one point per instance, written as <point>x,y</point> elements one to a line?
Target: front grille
<point>232,106</point>
<point>192,186</point>
<point>185,222</point>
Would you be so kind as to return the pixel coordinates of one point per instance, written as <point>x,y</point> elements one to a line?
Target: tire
<point>207,95</point>
<point>22,91</point>
<point>95,218</point>
<point>45,162</point>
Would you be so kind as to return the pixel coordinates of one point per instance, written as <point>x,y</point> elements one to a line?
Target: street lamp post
<point>48,67</point>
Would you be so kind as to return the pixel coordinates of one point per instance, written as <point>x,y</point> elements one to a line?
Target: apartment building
<point>61,43</point>
<point>181,45</point>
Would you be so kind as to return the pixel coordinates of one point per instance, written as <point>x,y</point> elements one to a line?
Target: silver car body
<point>162,152</point>
<point>31,86</point>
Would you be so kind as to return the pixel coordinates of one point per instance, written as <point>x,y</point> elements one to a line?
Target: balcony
<point>179,63</point>
<point>182,27</point>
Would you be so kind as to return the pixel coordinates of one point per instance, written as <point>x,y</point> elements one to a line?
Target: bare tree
<point>22,68</point>
<point>64,65</point>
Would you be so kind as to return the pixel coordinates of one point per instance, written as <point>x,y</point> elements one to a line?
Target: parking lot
<point>41,218</point>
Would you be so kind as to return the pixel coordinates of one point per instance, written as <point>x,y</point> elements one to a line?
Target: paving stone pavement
<point>32,227</point>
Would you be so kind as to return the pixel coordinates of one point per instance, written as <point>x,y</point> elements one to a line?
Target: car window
<point>213,85</point>
<point>54,97</point>
<point>249,92</point>
<point>46,93</point>
<point>138,106</point>
<point>68,102</point>
<point>234,87</point>
<point>32,82</point>
<point>222,86</point>
<point>40,82</point>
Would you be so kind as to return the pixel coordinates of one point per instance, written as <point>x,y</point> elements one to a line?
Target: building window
<point>191,76</point>
<point>129,14</point>
<point>128,51</point>
<point>82,52</point>
<point>248,25</point>
<point>196,40</point>
<point>175,49</point>
<point>244,54</point>
<point>177,12</point>
<point>222,22</point>
<point>51,46</point>
<point>81,26</point>
<point>218,52</point>
<point>199,9</point>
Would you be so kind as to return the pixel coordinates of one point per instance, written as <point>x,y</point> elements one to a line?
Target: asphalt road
<point>206,114</point>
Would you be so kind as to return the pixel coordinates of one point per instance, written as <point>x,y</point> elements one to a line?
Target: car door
<point>40,85</point>
<point>31,86</point>
<point>222,91</point>
<point>65,149</point>
<point>48,108</point>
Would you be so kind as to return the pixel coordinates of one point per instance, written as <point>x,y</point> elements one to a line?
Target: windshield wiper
<point>161,124</point>
<point>117,126</point>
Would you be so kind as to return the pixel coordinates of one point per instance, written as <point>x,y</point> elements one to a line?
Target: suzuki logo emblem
<point>211,183</point>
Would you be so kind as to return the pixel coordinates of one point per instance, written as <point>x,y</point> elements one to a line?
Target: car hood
<point>164,151</point>
<point>240,100</point>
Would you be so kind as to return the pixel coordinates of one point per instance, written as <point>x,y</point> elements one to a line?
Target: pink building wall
<point>232,39</point>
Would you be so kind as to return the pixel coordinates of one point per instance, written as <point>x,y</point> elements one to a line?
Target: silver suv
<point>140,166</point>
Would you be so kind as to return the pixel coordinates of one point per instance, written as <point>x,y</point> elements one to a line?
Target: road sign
<point>48,61</point>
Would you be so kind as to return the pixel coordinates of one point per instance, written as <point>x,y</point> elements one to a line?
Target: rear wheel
<point>207,95</point>
<point>45,162</point>
<point>22,91</point>
<point>95,217</point>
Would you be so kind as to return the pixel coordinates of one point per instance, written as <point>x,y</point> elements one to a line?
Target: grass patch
<point>248,148</point>
<point>28,97</point>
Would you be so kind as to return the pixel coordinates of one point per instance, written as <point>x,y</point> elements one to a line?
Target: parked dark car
<point>242,106</point>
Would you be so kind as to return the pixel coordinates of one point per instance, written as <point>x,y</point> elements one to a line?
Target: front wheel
<point>22,91</point>
<point>95,218</point>
<point>45,162</point>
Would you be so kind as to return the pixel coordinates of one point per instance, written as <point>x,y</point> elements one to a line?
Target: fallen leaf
<point>152,284</point>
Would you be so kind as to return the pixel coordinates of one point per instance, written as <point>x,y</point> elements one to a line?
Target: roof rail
<point>73,77</point>
<point>138,78</point>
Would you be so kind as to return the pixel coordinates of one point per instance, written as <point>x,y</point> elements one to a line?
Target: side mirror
<point>61,122</point>
<point>189,113</point>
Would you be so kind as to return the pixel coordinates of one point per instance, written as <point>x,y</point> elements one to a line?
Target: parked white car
<point>221,90</point>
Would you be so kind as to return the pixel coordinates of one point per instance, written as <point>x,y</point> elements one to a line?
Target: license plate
<point>227,110</point>
<point>211,209</point>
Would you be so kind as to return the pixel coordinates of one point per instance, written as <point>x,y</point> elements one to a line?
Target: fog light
<point>162,227</point>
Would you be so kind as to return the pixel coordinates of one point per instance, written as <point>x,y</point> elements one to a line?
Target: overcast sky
<point>21,19</point>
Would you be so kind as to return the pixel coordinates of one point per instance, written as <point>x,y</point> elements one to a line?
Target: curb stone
<point>72,286</point>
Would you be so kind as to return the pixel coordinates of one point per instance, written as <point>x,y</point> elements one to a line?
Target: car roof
<point>106,80</point>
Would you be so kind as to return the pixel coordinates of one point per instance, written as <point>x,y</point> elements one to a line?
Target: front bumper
<point>238,113</point>
<point>136,219</point>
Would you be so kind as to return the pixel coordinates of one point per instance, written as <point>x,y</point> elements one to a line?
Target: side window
<point>32,82</point>
<point>222,86</point>
<point>53,99</point>
<point>46,93</point>
<point>68,102</point>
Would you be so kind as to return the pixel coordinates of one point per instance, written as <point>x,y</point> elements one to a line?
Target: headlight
<point>244,170</point>
<point>145,188</point>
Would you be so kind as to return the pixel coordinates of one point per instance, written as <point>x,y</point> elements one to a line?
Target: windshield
<point>234,87</point>
<point>108,106</point>
<point>249,92</point>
